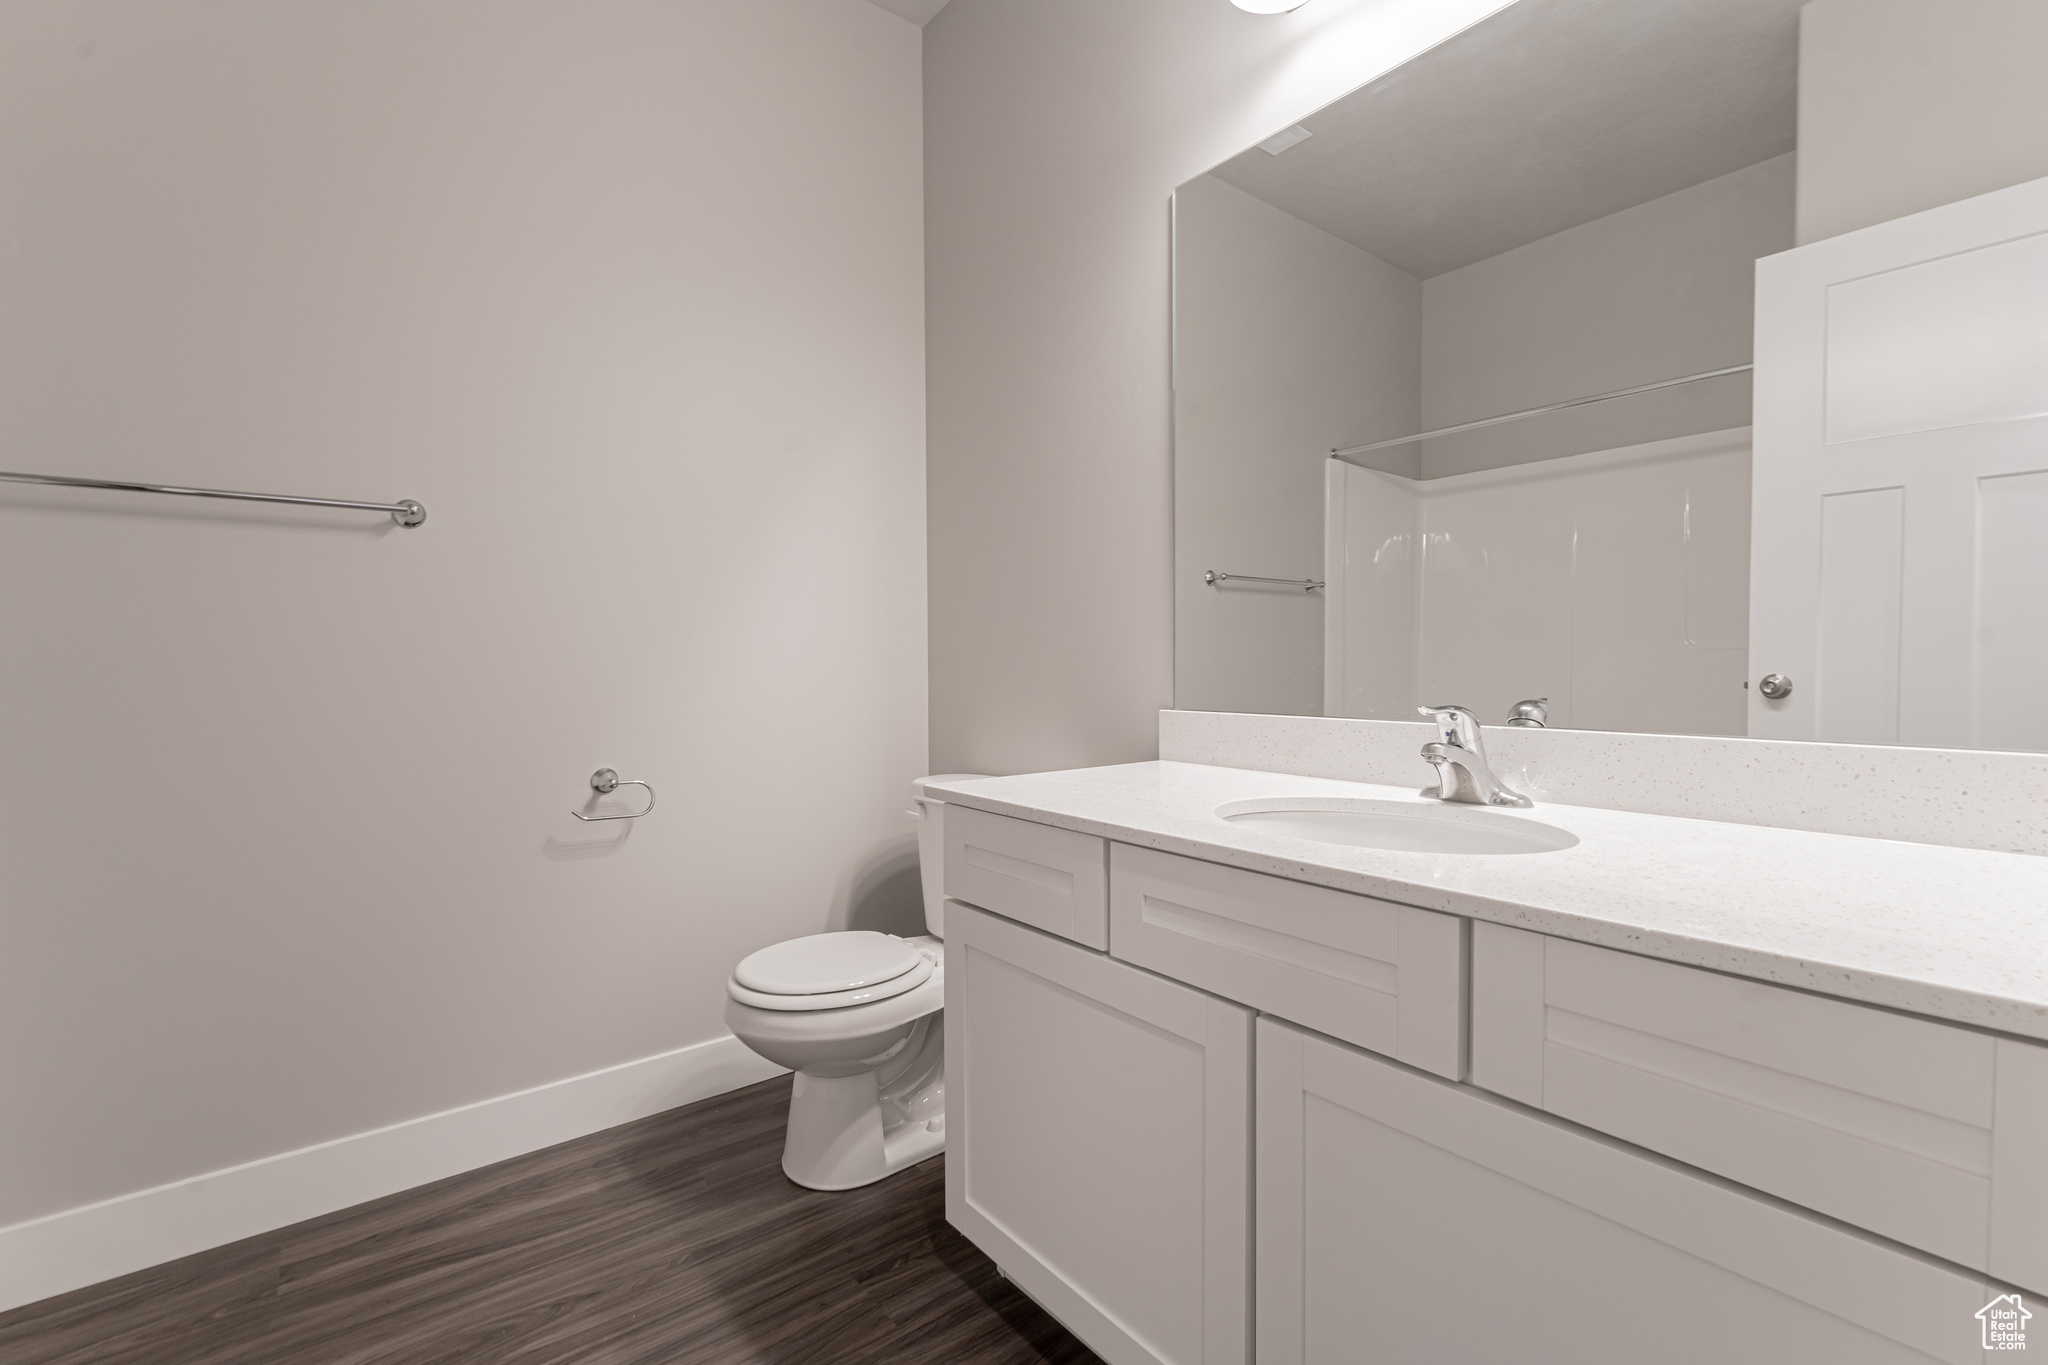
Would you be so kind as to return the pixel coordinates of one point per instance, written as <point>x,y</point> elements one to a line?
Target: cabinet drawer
<point>1924,1132</point>
<point>1051,879</point>
<point>1384,976</point>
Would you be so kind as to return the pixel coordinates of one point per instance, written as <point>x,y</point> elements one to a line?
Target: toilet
<point>856,1015</point>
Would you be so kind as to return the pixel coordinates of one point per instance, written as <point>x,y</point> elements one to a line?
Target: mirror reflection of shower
<point>1565,202</point>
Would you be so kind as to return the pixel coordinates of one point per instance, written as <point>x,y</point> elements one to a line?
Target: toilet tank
<point>930,813</point>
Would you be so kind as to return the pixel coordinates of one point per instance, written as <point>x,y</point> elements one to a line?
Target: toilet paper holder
<point>604,782</point>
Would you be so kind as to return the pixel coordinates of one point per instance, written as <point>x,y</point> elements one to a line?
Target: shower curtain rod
<point>1538,412</point>
<point>405,511</point>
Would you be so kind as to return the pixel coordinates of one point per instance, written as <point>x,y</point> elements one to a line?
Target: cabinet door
<point>1099,1141</point>
<point>1922,1131</point>
<point>1403,1218</point>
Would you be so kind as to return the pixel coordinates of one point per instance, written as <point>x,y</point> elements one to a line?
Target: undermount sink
<point>1397,826</point>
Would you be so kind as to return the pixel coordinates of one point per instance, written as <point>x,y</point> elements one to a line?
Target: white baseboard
<point>82,1246</point>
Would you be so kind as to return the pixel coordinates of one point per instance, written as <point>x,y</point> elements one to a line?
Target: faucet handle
<point>1456,724</point>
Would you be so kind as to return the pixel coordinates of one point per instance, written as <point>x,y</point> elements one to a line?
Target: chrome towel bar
<point>1212,578</point>
<point>604,782</point>
<point>405,511</point>
<point>1538,412</point>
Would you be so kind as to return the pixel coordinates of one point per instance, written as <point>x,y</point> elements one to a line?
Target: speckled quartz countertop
<point>1954,933</point>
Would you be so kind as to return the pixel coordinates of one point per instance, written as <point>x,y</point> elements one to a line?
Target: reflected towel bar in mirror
<point>1348,451</point>
<point>1212,578</point>
<point>405,511</point>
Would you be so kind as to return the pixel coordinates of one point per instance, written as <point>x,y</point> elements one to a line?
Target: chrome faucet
<point>1459,758</point>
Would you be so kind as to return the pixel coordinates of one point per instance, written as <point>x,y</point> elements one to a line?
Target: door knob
<point>1775,686</point>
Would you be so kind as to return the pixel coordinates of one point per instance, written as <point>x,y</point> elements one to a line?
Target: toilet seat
<point>829,972</point>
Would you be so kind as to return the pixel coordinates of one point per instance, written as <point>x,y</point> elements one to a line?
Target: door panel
<point>2012,583</point>
<point>1947,342</point>
<point>1901,435</point>
<point>1856,668</point>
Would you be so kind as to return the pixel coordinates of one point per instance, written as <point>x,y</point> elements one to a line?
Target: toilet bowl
<point>857,1016</point>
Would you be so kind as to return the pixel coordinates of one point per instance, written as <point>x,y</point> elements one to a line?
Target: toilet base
<point>849,1131</point>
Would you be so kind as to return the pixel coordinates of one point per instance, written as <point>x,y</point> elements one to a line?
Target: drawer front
<point>1383,976</point>
<point>1920,1131</point>
<point>1051,879</point>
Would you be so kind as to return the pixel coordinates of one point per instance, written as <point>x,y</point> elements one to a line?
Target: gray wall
<point>630,296</point>
<point>1663,289</point>
<point>1056,131</point>
<point>1909,104</point>
<point>1289,342</point>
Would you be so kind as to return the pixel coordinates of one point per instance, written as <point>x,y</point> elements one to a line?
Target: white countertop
<point>1954,933</point>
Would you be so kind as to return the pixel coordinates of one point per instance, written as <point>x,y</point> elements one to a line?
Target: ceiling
<point>1549,114</point>
<point>918,12</point>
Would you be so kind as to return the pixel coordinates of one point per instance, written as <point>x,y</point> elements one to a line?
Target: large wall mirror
<point>1465,407</point>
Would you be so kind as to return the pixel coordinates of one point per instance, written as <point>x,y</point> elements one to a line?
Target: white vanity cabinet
<point>1471,1143</point>
<point>1099,1141</point>
<point>1925,1132</point>
<point>1403,1218</point>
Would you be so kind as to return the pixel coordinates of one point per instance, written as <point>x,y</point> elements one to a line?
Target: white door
<point>1899,549</point>
<point>1099,1141</point>
<point>1405,1219</point>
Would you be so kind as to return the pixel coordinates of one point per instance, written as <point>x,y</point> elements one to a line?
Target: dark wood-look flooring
<point>676,1239</point>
